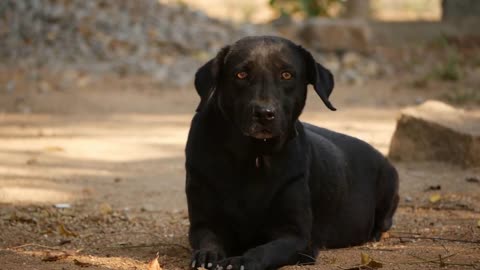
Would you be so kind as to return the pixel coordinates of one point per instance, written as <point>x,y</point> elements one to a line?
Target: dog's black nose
<point>264,113</point>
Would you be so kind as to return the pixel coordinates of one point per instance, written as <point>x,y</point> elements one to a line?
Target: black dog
<point>265,190</point>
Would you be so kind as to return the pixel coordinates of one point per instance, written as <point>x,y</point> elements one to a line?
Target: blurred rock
<point>10,87</point>
<point>351,76</point>
<point>21,106</point>
<point>336,35</point>
<point>351,60</point>
<point>44,87</point>
<point>116,35</point>
<point>371,69</point>
<point>331,62</point>
<point>436,131</point>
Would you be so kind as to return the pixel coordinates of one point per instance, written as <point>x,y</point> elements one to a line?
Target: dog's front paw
<point>206,258</point>
<point>239,263</point>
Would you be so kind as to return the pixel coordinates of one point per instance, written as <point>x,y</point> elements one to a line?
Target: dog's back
<point>358,180</point>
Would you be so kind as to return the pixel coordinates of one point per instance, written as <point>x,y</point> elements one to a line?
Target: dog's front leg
<point>205,234</point>
<point>207,248</point>
<point>272,255</point>
<point>289,228</point>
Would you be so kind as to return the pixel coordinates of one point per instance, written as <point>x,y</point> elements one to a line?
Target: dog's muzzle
<point>262,121</point>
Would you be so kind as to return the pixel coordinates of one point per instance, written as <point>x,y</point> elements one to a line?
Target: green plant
<point>451,69</point>
<point>463,96</point>
<point>307,8</point>
<point>421,82</point>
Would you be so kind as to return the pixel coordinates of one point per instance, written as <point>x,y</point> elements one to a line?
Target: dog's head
<point>260,84</point>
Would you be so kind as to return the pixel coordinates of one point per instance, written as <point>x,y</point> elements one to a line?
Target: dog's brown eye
<point>286,75</point>
<point>242,75</point>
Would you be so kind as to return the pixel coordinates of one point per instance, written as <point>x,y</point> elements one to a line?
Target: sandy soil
<point>113,151</point>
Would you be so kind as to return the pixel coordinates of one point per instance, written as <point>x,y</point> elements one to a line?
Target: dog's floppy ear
<point>207,76</point>
<point>320,77</point>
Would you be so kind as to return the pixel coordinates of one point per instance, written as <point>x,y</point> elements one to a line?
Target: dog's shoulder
<point>341,143</point>
<point>323,141</point>
<point>202,144</point>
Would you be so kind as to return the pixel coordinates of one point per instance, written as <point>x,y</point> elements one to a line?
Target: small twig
<point>377,249</point>
<point>442,263</point>
<point>358,266</point>
<point>403,232</point>
<point>33,245</point>
<point>433,260</point>
<point>445,248</point>
<point>435,239</point>
<point>438,208</point>
<point>441,260</point>
<point>149,245</point>
<point>305,263</point>
<point>306,255</point>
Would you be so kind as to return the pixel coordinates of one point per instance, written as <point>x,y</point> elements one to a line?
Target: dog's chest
<point>246,204</point>
<point>250,190</point>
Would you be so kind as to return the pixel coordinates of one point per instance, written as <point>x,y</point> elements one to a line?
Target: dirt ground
<point>112,151</point>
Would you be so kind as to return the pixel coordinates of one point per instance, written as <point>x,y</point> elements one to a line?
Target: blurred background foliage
<point>307,8</point>
<point>261,11</point>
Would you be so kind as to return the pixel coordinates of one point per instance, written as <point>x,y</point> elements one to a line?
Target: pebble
<point>10,87</point>
<point>62,205</point>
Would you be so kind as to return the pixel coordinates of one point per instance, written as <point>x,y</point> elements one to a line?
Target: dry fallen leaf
<point>368,261</point>
<point>65,232</point>
<point>81,264</point>
<point>374,264</point>
<point>55,256</point>
<point>105,209</point>
<point>435,198</point>
<point>31,161</point>
<point>154,265</point>
<point>472,180</point>
<point>436,187</point>
<point>53,149</point>
<point>365,258</point>
<point>478,223</point>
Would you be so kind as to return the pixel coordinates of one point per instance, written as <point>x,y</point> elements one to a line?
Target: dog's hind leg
<point>387,200</point>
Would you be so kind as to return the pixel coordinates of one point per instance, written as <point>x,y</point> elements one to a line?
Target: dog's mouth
<point>264,139</point>
<point>262,133</point>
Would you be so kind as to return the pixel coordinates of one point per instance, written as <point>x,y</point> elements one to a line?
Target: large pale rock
<point>334,35</point>
<point>437,131</point>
